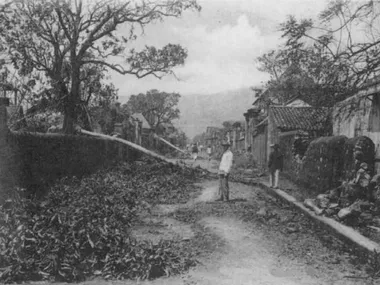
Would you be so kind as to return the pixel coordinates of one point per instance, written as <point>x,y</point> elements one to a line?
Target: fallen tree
<point>169,144</point>
<point>131,144</point>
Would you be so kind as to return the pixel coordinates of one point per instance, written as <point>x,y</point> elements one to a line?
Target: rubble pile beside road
<point>355,202</point>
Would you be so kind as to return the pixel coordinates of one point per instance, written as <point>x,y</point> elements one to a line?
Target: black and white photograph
<point>190,142</point>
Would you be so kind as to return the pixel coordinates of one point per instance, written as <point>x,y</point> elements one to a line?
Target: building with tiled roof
<point>268,123</point>
<point>288,118</point>
<point>290,121</point>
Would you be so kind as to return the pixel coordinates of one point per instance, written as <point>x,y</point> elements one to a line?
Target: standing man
<point>224,171</point>
<point>275,165</point>
<point>209,151</point>
<point>194,151</point>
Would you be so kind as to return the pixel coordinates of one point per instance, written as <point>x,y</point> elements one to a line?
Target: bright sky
<point>222,40</point>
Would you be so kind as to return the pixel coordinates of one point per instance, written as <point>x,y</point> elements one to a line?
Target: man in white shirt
<point>209,152</point>
<point>224,171</point>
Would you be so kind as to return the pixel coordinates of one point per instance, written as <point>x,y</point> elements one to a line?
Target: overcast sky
<point>222,40</point>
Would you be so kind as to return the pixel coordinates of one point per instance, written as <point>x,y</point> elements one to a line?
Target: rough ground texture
<point>253,239</point>
<point>256,240</point>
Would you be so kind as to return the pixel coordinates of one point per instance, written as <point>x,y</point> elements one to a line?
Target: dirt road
<point>258,249</point>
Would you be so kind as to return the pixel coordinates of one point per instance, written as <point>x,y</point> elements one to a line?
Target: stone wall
<point>328,160</point>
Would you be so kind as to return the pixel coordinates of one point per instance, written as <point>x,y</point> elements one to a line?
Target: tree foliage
<point>71,42</point>
<point>157,107</point>
<point>326,60</point>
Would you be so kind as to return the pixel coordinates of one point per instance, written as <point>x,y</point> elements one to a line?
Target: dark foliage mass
<point>81,228</point>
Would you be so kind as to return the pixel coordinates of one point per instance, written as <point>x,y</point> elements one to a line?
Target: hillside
<point>200,111</point>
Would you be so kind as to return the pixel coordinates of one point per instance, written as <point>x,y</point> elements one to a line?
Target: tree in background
<point>227,125</point>
<point>63,39</point>
<point>181,139</point>
<point>104,110</point>
<point>158,108</point>
<point>324,61</point>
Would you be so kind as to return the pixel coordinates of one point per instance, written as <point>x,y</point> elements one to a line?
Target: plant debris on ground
<point>297,238</point>
<point>81,228</point>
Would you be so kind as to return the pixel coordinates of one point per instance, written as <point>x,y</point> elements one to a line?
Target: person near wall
<point>275,165</point>
<point>224,171</point>
<point>209,152</point>
<point>194,151</point>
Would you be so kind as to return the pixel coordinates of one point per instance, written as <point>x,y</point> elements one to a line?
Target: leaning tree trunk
<point>130,144</point>
<point>168,143</point>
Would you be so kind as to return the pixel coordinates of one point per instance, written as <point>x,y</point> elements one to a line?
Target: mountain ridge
<point>199,111</point>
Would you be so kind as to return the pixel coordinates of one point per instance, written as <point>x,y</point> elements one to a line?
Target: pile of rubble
<point>355,201</point>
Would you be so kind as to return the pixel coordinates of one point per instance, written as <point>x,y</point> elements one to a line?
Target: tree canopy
<point>157,107</point>
<point>327,59</point>
<point>71,42</point>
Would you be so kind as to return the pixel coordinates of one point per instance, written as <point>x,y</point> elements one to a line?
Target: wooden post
<point>140,133</point>
<point>118,128</point>
<point>246,126</point>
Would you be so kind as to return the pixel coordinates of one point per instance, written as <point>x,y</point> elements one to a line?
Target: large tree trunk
<point>73,98</point>
<point>69,117</point>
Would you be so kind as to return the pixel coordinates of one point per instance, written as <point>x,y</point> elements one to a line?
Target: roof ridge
<point>295,107</point>
<point>307,118</point>
<point>282,106</point>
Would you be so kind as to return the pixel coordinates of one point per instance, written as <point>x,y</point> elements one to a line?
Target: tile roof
<point>300,118</point>
<point>141,118</point>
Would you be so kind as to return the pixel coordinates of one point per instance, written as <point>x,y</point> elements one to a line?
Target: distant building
<point>146,127</point>
<point>213,137</point>
<point>269,119</point>
<point>143,130</point>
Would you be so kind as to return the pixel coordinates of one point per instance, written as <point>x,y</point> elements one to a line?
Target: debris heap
<point>81,228</point>
<point>357,199</point>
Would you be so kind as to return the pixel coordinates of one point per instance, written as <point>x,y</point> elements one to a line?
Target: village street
<point>193,142</point>
<point>248,247</point>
